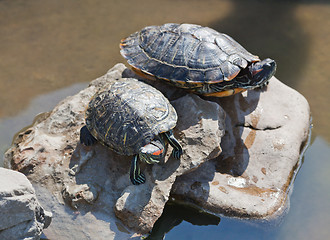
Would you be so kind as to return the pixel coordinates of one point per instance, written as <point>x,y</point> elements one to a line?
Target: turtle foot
<point>140,179</point>
<point>86,137</point>
<point>176,153</point>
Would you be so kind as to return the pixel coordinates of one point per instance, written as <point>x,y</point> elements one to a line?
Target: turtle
<point>132,118</point>
<point>195,58</point>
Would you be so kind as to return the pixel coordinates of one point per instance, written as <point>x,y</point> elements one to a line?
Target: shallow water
<point>52,49</point>
<point>307,218</point>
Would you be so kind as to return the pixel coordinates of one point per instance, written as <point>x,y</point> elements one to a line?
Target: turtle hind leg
<point>136,176</point>
<point>177,149</point>
<point>86,137</point>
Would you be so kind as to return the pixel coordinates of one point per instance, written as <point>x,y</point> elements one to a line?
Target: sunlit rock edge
<point>22,216</point>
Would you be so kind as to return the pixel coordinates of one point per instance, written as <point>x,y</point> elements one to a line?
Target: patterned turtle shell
<point>189,56</point>
<point>129,115</point>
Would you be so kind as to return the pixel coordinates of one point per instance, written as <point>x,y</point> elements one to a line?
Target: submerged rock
<point>22,217</point>
<point>89,186</point>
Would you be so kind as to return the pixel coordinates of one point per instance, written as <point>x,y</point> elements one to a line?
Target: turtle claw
<point>176,153</point>
<point>177,149</point>
<point>136,176</point>
<point>139,179</point>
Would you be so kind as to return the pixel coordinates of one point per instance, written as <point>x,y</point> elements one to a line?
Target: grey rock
<point>22,217</point>
<point>200,128</point>
<point>90,186</point>
<point>252,176</point>
<point>266,132</point>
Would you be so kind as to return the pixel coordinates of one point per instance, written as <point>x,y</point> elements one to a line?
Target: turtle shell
<point>187,55</point>
<point>129,115</point>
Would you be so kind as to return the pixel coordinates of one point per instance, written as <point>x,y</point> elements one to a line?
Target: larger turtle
<point>132,118</point>
<point>196,58</point>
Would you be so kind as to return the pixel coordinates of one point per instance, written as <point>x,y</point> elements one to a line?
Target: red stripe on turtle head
<point>159,152</point>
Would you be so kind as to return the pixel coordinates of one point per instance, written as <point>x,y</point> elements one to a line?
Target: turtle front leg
<point>86,137</point>
<point>136,176</point>
<point>177,149</point>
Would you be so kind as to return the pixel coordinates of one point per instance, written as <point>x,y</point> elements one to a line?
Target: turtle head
<point>261,72</point>
<point>152,152</point>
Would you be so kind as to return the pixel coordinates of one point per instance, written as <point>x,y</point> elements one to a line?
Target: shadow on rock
<point>99,174</point>
<point>268,29</point>
<point>235,157</point>
<point>94,181</point>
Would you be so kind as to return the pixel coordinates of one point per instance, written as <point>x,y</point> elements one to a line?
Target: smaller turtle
<point>132,118</point>
<point>195,58</point>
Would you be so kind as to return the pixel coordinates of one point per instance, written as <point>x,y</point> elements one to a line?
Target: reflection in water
<point>310,202</point>
<point>174,213</point>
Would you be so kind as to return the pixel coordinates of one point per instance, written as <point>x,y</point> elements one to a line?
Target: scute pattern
<point>129,115</point>
<point>186,52</point>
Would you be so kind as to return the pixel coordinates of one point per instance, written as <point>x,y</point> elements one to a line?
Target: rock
<point>93,182</point>
<point>266,132</point>
<point>22,217</point>
<point>200,128</point>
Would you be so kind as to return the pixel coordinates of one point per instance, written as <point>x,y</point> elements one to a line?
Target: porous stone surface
<point>22,217</point>
<point>199,129</point>
<point>90,186</point>
<point>266,132</point>
<point>240,156</point>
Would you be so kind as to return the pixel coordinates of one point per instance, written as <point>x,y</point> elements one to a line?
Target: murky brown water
<point>48,45</point>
